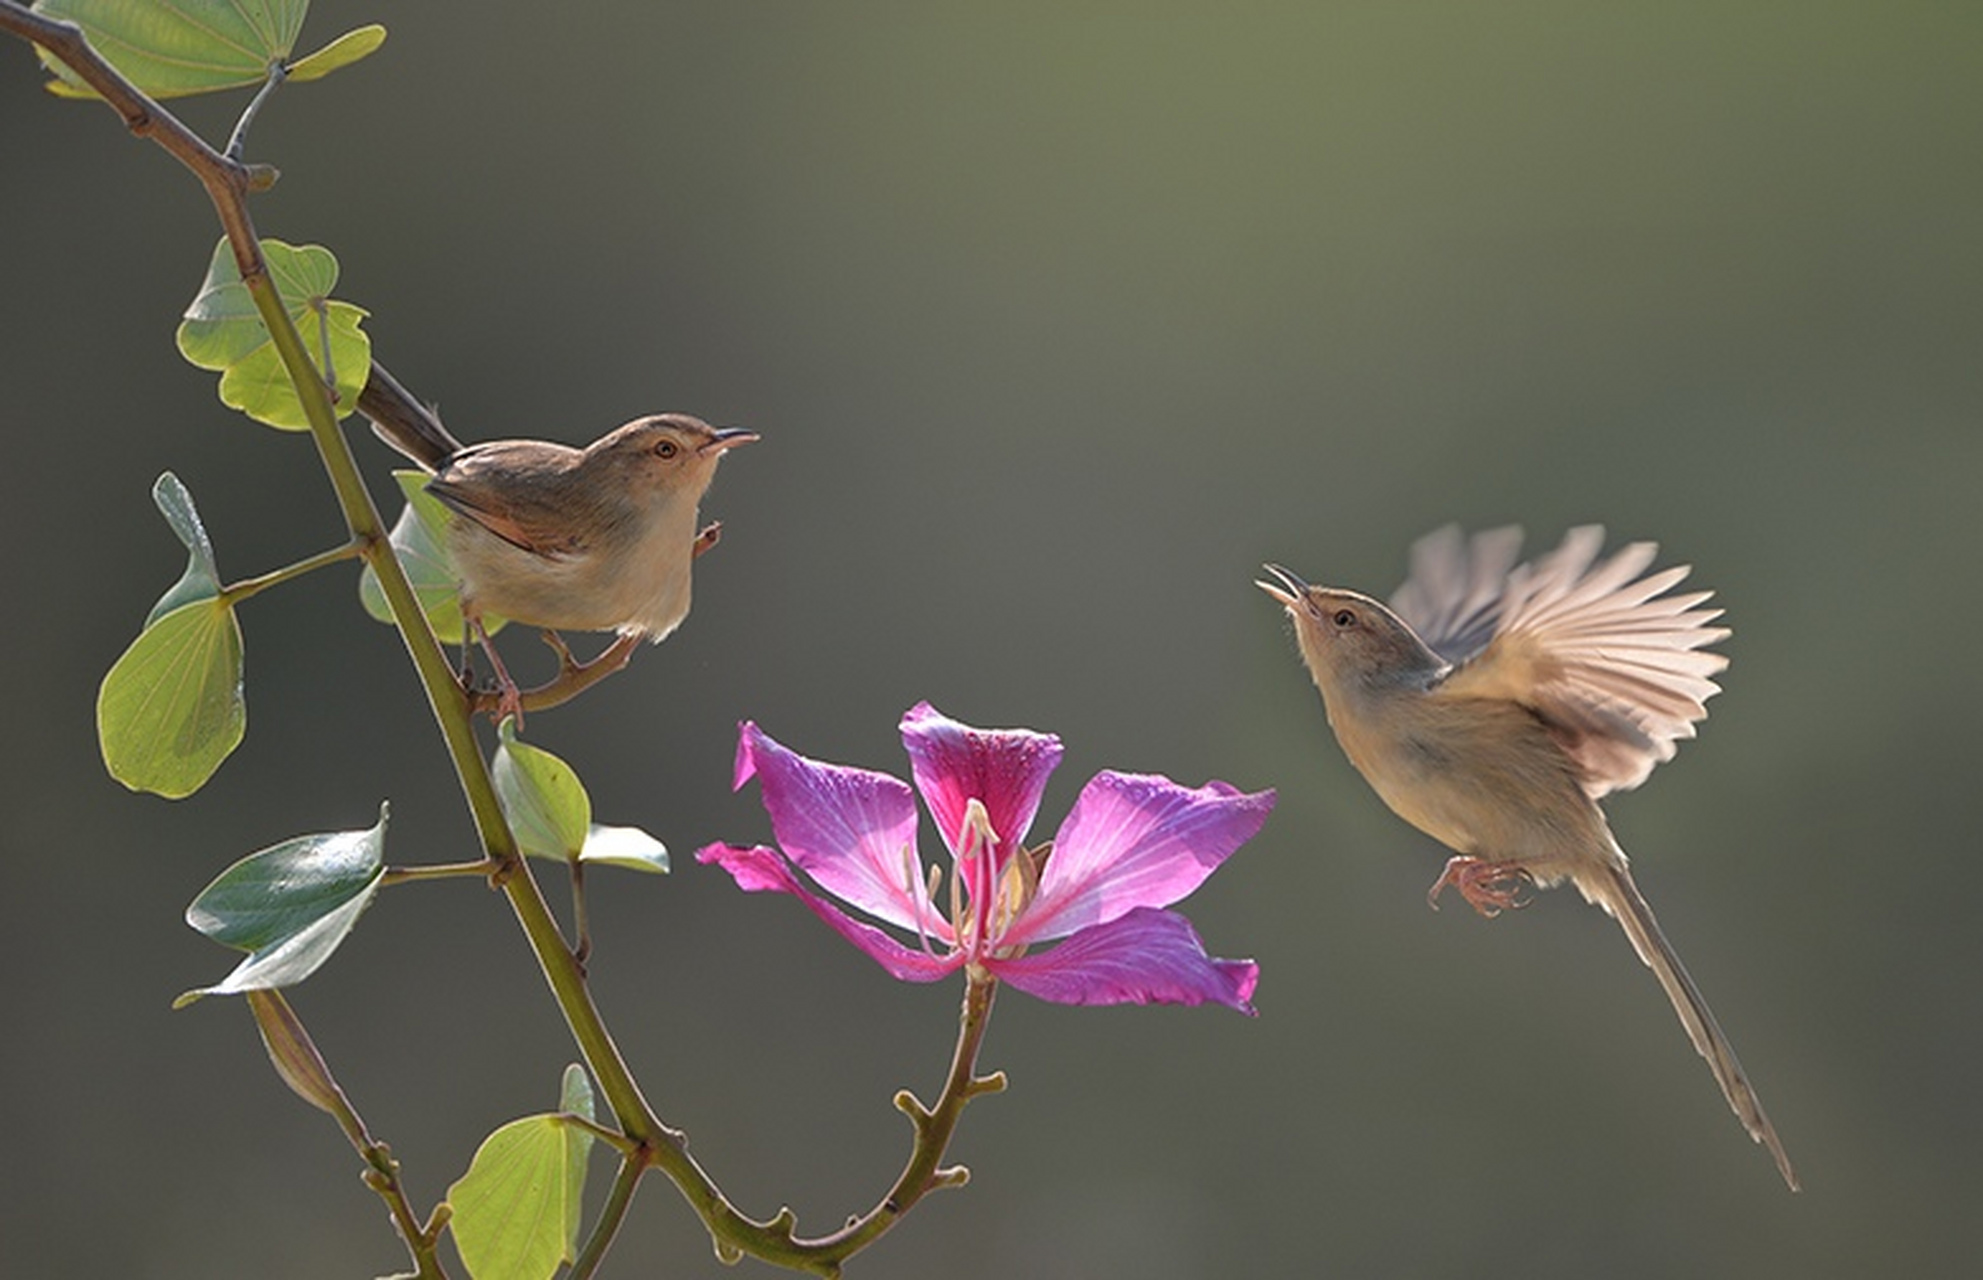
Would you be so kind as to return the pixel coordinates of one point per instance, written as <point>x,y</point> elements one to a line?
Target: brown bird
<point>1492,705</point>
<point>592,539</point>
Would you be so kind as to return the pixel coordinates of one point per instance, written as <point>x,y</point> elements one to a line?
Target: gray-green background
<point>1057,320</point>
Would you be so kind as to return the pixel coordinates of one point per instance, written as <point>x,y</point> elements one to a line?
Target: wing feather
<point>1616,667</point>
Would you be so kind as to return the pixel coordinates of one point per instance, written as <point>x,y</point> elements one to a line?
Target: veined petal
<point>852,830</point>
<point>1144,957</point>
<point>1135,840</point>
<point>757,868</point>
<point>1005,769</point>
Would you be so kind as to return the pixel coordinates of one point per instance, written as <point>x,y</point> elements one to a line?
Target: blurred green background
<point>1057,321</point>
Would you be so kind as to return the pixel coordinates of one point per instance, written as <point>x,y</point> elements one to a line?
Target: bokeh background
<point>1057,321</point>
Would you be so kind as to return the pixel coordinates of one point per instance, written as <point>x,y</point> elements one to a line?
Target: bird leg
<point>509,699</point>
<point>1489,887</point>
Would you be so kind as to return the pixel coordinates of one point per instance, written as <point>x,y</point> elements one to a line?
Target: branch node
<point>911,1106</point>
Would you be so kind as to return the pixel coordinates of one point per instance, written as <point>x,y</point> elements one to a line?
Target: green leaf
<point>419,539</point>
<point>541,796</point>
<point>339,53</point>
<point>172,708</point>
<point>201,581</point>
<point>289,906</point>
<point>628,847</point>
<point>171,48</point>
<point>516,1210</point>
<point>224,332</point>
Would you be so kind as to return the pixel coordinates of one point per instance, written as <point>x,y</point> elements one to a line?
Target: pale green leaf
<point>169,48</point>
<point>172,708</point>
<point>289,906</point>
<point>223,331</point>
<point>575,1098</point>
<point>541,796</point>
<point>628,847</point>
<point>516,1210</point>
<point>339,53</point>
<point>419,539</point>
<point>201,581</point>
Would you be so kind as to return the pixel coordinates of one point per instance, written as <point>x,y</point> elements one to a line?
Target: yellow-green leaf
<point>339,53</point>
<point>541,796</point>
<point>171,48</point>
<point>201,581</point>
<point>223,331</point>
<point>418,538</point>
<point>172,708</point>
<point>516,1210</point>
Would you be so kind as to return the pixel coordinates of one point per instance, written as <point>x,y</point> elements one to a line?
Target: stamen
<point>916,900</point>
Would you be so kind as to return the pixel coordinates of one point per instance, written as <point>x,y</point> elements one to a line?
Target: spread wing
<point>514,495</point>
<point>1453,596</point>
<point>1595,647</point>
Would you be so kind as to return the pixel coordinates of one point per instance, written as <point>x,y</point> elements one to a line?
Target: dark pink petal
<point>1144,957</point>
<point>1005,769</point>
<point>757,869</point>
<point>852,830</point>
<point>1135,840</point>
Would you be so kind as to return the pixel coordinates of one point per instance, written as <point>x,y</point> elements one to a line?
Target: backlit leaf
<point>172,708</point>
<point>201,581</point>
<point>223,331</point>
<point>170,48</point>
<point>516,1211</point>
<point>541,796</point>
<point>417,537</point>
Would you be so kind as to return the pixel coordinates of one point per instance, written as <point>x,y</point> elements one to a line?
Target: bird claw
<point>1489,887</point>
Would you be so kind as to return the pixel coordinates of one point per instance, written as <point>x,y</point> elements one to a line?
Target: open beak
<point>728,438</point>
<point>1290,590</point>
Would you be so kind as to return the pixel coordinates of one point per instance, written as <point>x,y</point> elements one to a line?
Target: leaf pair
<point>223,331</point>
<point>171,48</point>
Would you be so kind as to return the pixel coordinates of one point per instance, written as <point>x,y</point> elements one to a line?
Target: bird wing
<point>526,516</point>
<point>1612,664</point>
<point>1453,596</point>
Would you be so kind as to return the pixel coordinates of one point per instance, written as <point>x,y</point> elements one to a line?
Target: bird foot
<point>1489,887</point>
<point>711,534</point>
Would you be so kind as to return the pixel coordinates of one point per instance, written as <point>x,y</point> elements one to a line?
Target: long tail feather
<point>1611,887</point>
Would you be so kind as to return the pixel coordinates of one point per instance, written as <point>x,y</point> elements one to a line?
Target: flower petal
<point>1005,769</point>
<point>757,868</point>
<point>852,830</point>
<point>1135,840</point>
<point>1144,957</point>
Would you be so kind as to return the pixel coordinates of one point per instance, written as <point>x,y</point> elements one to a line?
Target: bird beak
<point>728,438</point>
<point>1290,590</point>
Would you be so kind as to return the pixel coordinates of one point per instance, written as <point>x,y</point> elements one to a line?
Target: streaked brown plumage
<point>1492,705</point>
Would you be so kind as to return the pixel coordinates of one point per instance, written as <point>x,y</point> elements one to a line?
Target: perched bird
<point>592,539</point>
<point>1491,706</point>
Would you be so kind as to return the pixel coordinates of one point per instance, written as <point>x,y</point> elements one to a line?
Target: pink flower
<point>1133,845</point>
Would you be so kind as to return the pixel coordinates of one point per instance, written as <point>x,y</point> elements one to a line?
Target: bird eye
<point>667,449</point>
<point>1345,618</point>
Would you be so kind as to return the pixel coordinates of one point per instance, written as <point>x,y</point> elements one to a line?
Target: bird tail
<point>404,423</point>
<point>1611,887</point>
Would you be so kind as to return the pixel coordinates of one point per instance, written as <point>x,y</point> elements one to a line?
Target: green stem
<point>440,871</point>
<point>611,1215</point>
<point>242,590</point>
